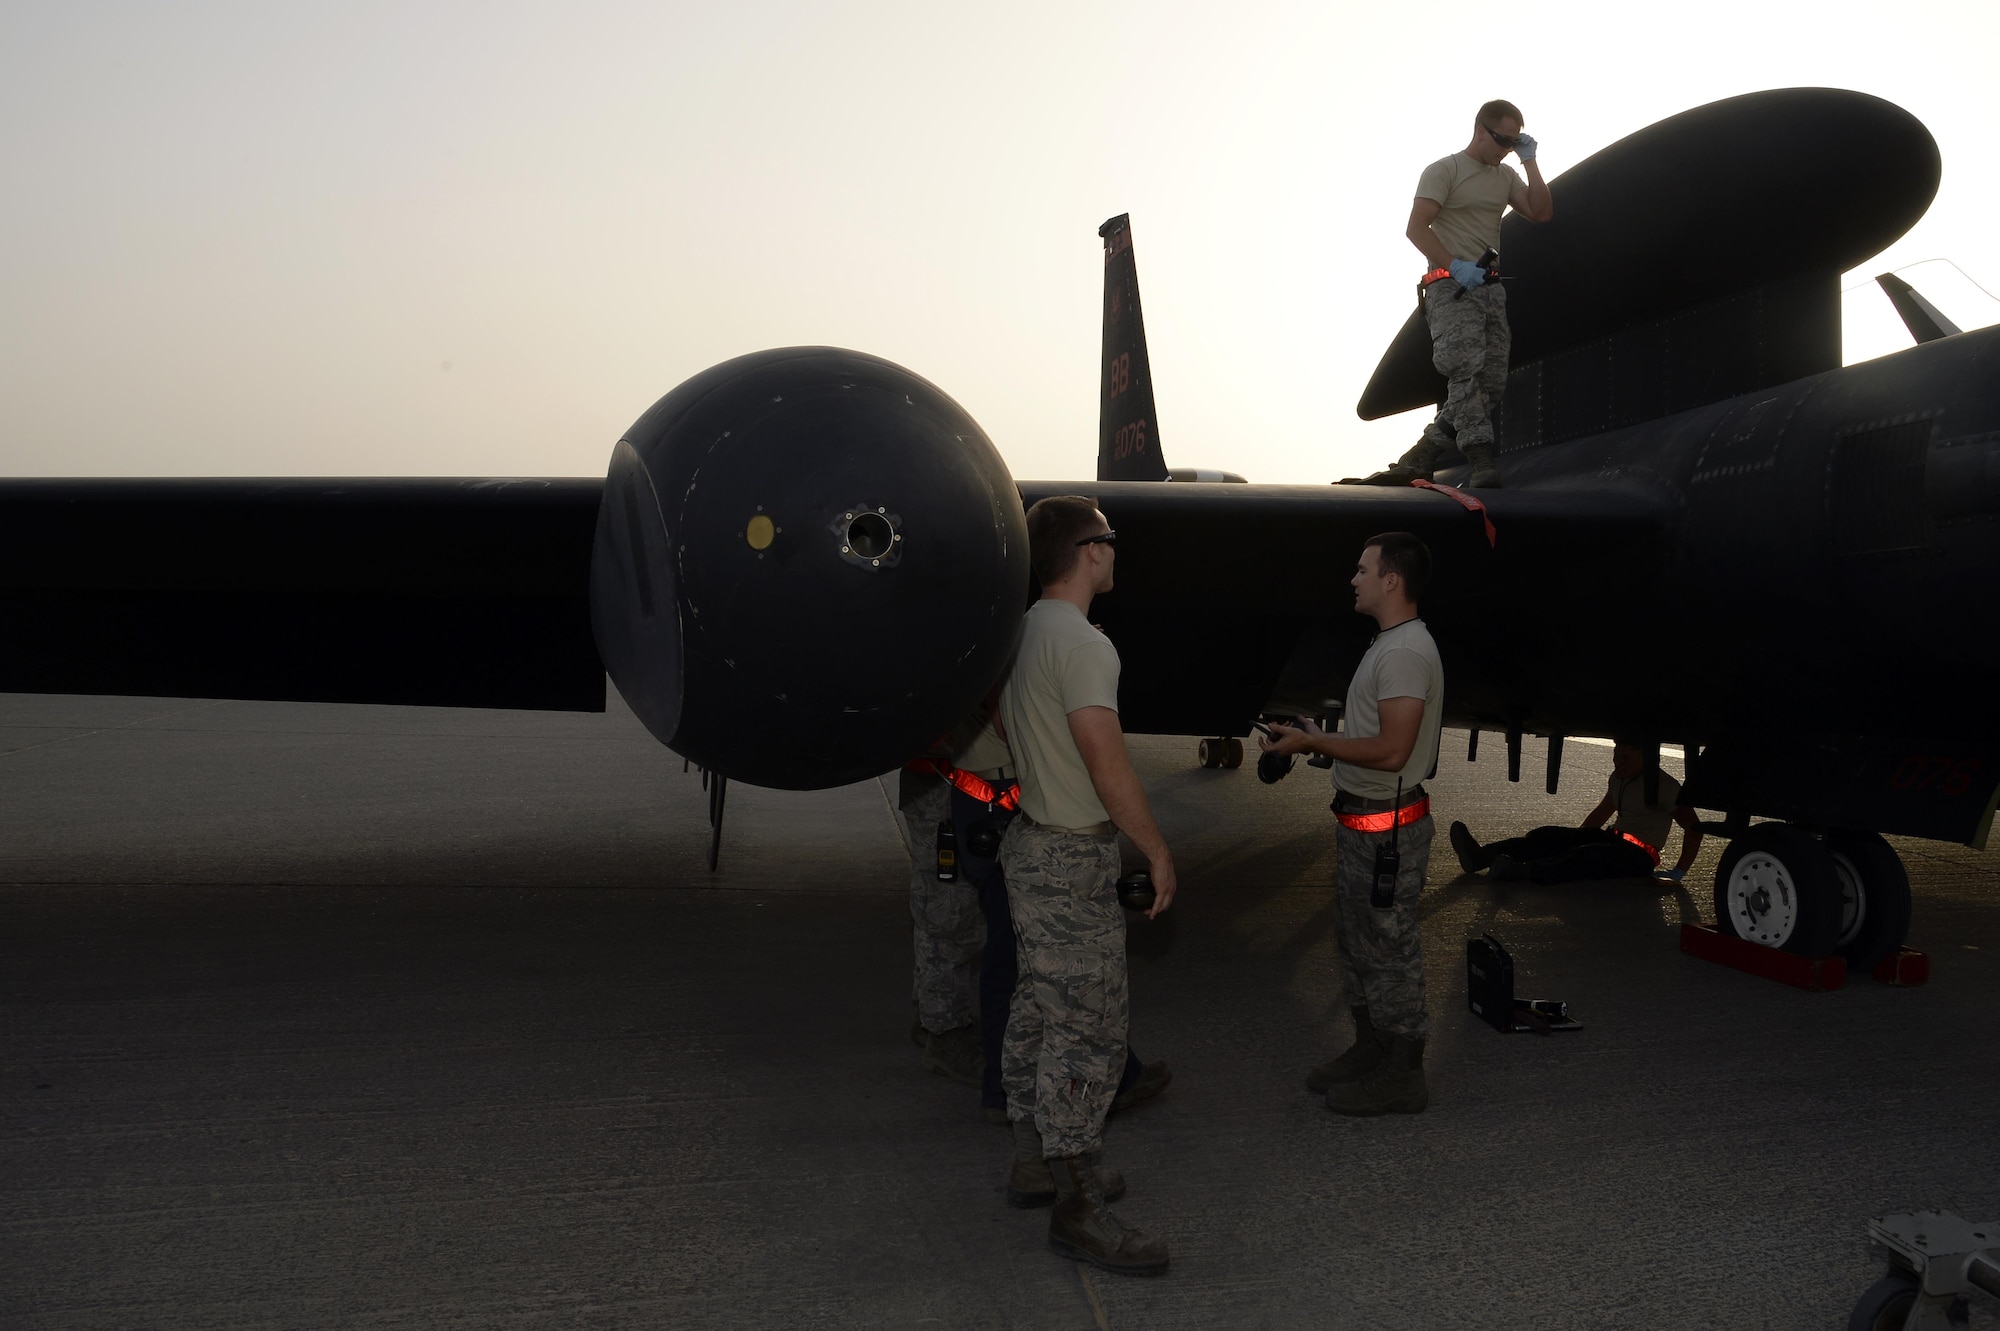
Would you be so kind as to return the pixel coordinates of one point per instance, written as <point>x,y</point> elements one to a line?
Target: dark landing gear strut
<point>1226,753</point>
<point>1814,895</point>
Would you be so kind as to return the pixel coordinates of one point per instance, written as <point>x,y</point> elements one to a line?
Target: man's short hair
<point>1407,557</point>
<point>1497,110</point>
<point>1055,525</point>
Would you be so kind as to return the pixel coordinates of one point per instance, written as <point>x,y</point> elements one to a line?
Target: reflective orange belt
<point>1641,845</point>
<point>1356,821</point>
<point>978,787</point>
<point>1434,275</point>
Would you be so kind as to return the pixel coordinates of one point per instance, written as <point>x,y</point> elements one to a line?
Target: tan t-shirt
<point>985,754</point>
<point>1649,823</point>
<point>1063,664</point>
<point>1402,662</point>
<point>1471,197</point>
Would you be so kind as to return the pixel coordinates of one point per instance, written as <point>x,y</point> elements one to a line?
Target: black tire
<point>1791,876</point>
<point>1875,898</point>
<point>1232,753</point>
<point>1886,1305</point>
<point>1207,754</point>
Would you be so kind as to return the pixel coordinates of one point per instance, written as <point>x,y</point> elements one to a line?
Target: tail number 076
<point>1944,776</point>
<point>1130,439</point>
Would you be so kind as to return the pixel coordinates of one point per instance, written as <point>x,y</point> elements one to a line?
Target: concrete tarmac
<point>320,1016</point>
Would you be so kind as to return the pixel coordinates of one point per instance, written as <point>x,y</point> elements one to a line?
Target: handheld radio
<point>947,852</point>
<point>1389,858</point>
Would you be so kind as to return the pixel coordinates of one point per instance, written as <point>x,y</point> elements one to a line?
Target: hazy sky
<point>255,239</point>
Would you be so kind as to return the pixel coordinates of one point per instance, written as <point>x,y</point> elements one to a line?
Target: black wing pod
<point>810,563</point>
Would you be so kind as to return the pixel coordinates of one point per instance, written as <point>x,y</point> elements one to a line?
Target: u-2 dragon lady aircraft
<point>821,541</point>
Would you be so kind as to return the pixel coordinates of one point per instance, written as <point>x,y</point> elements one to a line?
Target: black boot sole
<point>1076,1254</point>
<point>1332,1082</point>
<point>1375,1112</point>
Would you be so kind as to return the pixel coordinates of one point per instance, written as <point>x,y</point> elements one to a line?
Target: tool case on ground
<point>1489,992</point>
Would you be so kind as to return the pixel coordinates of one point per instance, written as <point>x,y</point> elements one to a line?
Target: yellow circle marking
<point>759,532</point>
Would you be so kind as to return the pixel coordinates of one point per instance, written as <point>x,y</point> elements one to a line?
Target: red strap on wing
<point>1466,502</point>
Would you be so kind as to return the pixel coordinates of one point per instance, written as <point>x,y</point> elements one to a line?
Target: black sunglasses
<point>1507,141</point>
<point>1102,538</point>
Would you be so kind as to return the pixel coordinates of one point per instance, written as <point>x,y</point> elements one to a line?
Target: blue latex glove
<point>1672,875</point>
<point>1467,273</point>
<point>1524,147</point>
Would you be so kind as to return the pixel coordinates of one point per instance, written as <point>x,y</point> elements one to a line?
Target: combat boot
<point>1415,465</point>
<point>1152,1079</point>
<point>1396,1086</point>
<point>1083,1229</point>
<point>1394,474</point>
<point>1355,1063</point>
<point>1485,476</point>
<point>1029,1183</point>
<point>1472,857</point>
<point>956,1054</point>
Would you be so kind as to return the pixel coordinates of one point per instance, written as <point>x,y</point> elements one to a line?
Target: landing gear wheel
<point>1886,1305</point>
<point>1874,898</point>
<point>1776,886</point>
<point>1225,753</point>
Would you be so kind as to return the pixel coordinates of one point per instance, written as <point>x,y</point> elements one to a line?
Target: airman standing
<point>1455,222</point>
<point>1394,710</point>
<point>1066,1028</point>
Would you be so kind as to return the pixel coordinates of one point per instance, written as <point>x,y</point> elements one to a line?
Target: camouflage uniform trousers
<point>1065,1046</point>
<point>1469,347</point>
<point>949,930</point>
<point>1381,951</point>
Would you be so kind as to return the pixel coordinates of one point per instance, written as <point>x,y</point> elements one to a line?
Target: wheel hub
<point>1762,903</point>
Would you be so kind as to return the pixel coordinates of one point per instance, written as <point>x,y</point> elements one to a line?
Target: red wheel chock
<point>1711,944</point>
<point>1905,967</point>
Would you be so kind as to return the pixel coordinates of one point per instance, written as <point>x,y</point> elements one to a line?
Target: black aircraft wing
<point>476,593</point>
<point>463,593</point>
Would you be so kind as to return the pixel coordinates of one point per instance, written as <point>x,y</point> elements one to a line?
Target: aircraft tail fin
<point>1128,442</point>
<point>1925,322</point>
